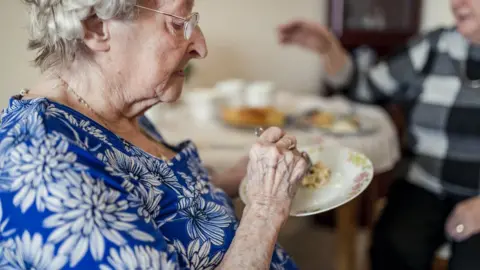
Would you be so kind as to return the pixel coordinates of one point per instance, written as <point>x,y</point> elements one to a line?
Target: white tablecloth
<point>221,146</point>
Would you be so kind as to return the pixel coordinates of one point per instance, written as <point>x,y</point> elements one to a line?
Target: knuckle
<point>275,151</point>
<point>289,156</point>
<point>274,132</point>
<point>255,147</point>
<point>302,163</point>
<point>290,137</point>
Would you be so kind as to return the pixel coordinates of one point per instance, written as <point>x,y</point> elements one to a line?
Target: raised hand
<point>274,170</point>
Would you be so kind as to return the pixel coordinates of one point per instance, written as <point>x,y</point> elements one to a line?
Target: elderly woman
<point>436,77</point>
<point>86,182</point>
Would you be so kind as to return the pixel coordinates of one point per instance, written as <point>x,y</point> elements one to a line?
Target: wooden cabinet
<point>380,24</point>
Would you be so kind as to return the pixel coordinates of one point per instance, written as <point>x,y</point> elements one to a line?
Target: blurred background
<point>242,41</point>
<point>241,38</point>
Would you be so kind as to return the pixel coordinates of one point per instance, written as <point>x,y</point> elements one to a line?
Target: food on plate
<point>328,120</point>
<point>318,176</point>
<point>345,125</point>
<point>322,119</point>
<point>252,116</point>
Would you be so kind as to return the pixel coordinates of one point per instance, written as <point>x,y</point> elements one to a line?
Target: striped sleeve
<point>390,80</point>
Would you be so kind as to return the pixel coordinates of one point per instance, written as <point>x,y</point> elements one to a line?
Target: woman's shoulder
<point>22,121</point>
<point>40,127</point>
<point>19,112</point>
<point>38,136</point>
<point>46,117</point>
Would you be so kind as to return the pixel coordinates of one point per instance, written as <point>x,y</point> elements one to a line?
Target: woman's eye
<point>177,25</point>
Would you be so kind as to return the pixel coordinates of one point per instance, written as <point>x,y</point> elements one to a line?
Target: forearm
<point>254,242</point>
<point>374,85</point>
<point>340,74</point>
<point>346,81</point>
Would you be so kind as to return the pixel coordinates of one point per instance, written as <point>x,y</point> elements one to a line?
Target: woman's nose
<point>198,45</point>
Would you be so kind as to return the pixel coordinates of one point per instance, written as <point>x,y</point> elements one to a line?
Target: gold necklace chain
<point>82,101</point>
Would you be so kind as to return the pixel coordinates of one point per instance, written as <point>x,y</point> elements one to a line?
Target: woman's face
<point>467,16</point>
<point>149,54</point>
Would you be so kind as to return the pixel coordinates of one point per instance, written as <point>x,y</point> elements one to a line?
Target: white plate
<point>367,124</point>
<point>352,172</point>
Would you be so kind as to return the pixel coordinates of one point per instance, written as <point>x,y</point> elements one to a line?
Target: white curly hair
<point>56,29</point>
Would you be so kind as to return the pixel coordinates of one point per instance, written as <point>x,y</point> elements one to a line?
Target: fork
<point>260,130</point>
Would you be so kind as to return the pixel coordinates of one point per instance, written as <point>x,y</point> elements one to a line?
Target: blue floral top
<point>75,195</point>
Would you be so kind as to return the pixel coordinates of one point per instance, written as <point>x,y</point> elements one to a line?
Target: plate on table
<point>348,174</point>
<point>335,123</point>
<point>249,118</point>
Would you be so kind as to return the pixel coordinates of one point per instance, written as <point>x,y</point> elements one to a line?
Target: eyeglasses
<point>189,23</point>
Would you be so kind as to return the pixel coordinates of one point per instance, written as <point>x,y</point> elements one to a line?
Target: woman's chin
<point>172,95</point>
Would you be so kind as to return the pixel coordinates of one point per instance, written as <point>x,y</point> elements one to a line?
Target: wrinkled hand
<point>307,34</point>
<point>464,221</point>
<point>274,170</point>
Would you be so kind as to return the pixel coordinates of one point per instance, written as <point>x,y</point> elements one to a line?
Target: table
<point>220,146</point>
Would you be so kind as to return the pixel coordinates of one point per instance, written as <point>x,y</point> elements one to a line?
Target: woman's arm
<point>273,176</point>
<point>389,80</point>
<point>255,238</point>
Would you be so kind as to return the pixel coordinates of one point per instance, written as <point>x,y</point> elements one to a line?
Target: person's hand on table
<point>464,221</point>
<point>317,38</point>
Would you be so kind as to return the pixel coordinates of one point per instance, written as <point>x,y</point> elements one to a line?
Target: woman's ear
<point>97,34</point>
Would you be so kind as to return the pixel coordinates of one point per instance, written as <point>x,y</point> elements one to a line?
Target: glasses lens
<point>190,25</point>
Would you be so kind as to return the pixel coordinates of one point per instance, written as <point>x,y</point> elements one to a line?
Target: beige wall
<point>15,69</point>
<point>242,41</point>
<point>240,36</point>
<point>436,13</point>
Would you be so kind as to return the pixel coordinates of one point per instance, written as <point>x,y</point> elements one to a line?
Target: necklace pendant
<point>24,92</point>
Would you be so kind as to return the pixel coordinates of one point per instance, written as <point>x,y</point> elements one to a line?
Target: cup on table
<point>260,94</point>
<point>202,103</point>
<point>232,92</point>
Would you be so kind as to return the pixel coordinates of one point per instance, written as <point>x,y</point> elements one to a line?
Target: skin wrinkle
<point>111,98</point>
<point>268,215</point>
<point>133,67</point>
<point>283,168</point>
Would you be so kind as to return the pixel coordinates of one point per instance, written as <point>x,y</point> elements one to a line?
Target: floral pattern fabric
<point>75,195</point>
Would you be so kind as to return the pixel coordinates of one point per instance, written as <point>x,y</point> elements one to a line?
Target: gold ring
<point>460,228</point>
